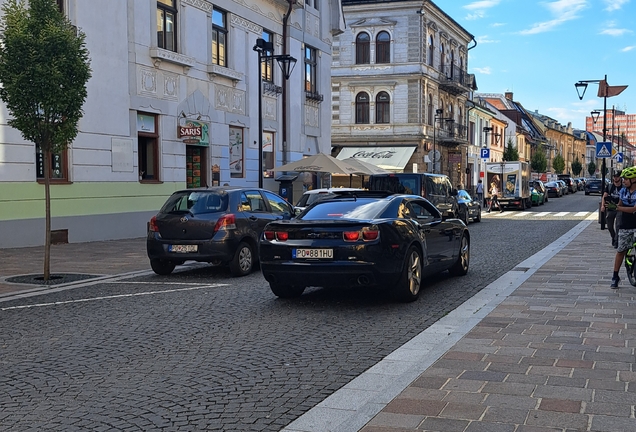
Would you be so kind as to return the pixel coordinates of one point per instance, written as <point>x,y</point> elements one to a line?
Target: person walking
<point>480,192</point>
<point>608,204</point>
<point>494,199</point>
<point>627,220</point>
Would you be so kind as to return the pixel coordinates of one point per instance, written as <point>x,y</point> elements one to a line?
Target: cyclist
<point>627,222</point>
<point>608,203</point>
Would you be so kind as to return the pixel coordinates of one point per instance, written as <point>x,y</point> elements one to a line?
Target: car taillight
<point>152,225</point>
<point>370,234</point>
<point>226,222</point>
<point>351,236</point>
<point>278,235</point>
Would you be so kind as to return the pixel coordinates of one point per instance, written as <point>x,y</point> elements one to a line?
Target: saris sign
<point>193,132</point>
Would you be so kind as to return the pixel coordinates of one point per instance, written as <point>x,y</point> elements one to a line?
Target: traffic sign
<point>485,153</point>
<point>603,149</point>
<point>619,157</point>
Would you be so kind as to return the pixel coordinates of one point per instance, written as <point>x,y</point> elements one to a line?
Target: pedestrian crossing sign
<point>603,149</point>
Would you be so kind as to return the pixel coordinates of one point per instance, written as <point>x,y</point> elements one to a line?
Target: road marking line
<point>541,214</point>
<point>520,214</point>
<point>581,214</point>
<point>561,214</point>
<point>112,297</point>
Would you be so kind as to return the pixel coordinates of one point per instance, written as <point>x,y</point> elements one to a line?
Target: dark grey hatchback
<point>219,225</point>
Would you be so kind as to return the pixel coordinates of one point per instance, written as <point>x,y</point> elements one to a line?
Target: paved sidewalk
<point>555,354</point>
<point>107,258</point>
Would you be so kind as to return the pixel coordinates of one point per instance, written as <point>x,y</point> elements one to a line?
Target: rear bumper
<point>329,274</point>
<point>208,250</point>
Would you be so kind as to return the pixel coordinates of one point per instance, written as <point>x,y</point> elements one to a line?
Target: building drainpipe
<point>284,94</point>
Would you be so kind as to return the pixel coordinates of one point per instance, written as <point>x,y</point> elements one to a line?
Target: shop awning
<point>388,158</point>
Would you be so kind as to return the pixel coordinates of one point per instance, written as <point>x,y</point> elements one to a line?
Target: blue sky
<point>539,49</point>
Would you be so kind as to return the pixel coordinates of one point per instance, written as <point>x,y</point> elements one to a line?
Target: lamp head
<point>439,111</point>
<point>595,115</point>
<point>286,63</point>
<point>580,89</point>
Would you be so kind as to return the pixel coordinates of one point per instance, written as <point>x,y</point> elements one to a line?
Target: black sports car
<point>366,238</point>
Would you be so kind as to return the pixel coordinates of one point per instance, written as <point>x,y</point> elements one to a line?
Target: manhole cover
<point>54,278</point>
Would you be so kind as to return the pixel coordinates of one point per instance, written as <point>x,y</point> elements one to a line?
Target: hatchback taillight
<point>366,234</point>
<point>351,236</point>
<point>226,222</point>
<point>370,234</point>
<point>152,225</point>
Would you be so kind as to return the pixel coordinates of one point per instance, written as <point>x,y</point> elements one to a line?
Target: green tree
<point>576,167</point>
<point>591,168</point>
<point>44,68</point>
<point>511,153</point>
<point>558,164</point>
<point>539,162</point>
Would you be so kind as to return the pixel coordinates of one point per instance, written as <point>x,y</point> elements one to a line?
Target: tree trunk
<point>47,204</point>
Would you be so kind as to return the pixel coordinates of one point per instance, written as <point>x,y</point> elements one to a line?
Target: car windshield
<point>196,202</point>
<point>359,209</point>
<point>311,198</point>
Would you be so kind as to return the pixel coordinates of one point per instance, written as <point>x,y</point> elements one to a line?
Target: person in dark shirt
<point>627,225</point>
<point>609,202</point>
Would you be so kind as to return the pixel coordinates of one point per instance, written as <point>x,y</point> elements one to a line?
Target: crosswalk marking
<point>520,214</point>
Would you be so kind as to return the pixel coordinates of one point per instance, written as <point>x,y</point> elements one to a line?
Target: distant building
<point>400,88</point>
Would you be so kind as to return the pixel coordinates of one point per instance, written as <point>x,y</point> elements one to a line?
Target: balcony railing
<point>454,80</point>
<point>453,133</point>
<point>313,96</point>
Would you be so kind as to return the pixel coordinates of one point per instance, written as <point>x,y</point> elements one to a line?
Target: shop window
<point>363,47</point>
<point>167,25</point>
<point>219,37</point>
<point>147,147</point>
<point>236,153</point>
<point>382,108</point>
<point>196,167</point>
<point>383,48</point>
<point>59,165</point>
<point>268,154</point>
<point>362,108</point>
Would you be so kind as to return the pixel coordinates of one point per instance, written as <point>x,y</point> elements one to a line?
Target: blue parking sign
<point>485,153</point>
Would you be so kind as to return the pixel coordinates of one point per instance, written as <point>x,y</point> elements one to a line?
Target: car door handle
<point>253,218</point>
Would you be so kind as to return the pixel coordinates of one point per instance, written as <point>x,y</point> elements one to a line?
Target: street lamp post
<point>604,91</point>
<point>286,62</point>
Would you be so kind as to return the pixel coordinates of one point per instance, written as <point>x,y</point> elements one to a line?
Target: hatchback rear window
<point>196,203</point>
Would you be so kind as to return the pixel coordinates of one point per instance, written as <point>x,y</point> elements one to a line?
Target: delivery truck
<point>513,183</point>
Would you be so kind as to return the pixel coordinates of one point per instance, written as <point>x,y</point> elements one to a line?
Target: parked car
<point>593,186</point>
<point>219,225</point>
<point>569,182</point>
<point>554,189</point>
<point>379,239</point>
<point>468,207</point>
<point>538,198</point>
<point>436,188</point>
<point>564,187</point>
<point>311,196</point>
<point>540,186</point>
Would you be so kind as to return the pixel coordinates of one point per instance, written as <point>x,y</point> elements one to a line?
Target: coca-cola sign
<point>385,154</point>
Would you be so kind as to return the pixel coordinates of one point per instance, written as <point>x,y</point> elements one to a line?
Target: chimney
<point>508,95</point>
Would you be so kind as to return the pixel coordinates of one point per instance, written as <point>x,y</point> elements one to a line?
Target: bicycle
<point>630,264</point>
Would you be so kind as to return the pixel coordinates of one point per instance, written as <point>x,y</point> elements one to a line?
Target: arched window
<point>382,108</point>
<point>431,50</point>
<point>362,108</point>
<point>430,109</point>
<point>442,55</point>
<point>383,48</point>
<point>363,43</point>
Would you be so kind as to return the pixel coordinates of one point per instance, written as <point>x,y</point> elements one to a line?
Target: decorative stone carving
<point>229,99</point>
<point>170,86</point>
<point>158,55</point>
<point>269,108</point>
<point>311,115</point>
<point>147,82</point>
<point>215,70</point>
<point>246,25</point>
<point>199,4</point>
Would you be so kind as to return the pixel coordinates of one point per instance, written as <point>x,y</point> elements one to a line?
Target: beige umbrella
<point>365,168</point>
<point>319,163</point>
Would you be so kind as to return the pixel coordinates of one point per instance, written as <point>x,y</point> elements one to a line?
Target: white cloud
<point>615,32</point>
<point>613,5</point>
<point>485,71</point>
<point>563,10</point>
<point>628,48</point>
<point>477,15</point>
<point>483,4</point>
<point>485,40</point>
<point>498,24</point>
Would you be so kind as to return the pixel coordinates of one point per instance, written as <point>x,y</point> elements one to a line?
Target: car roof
<point>326,190</point>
